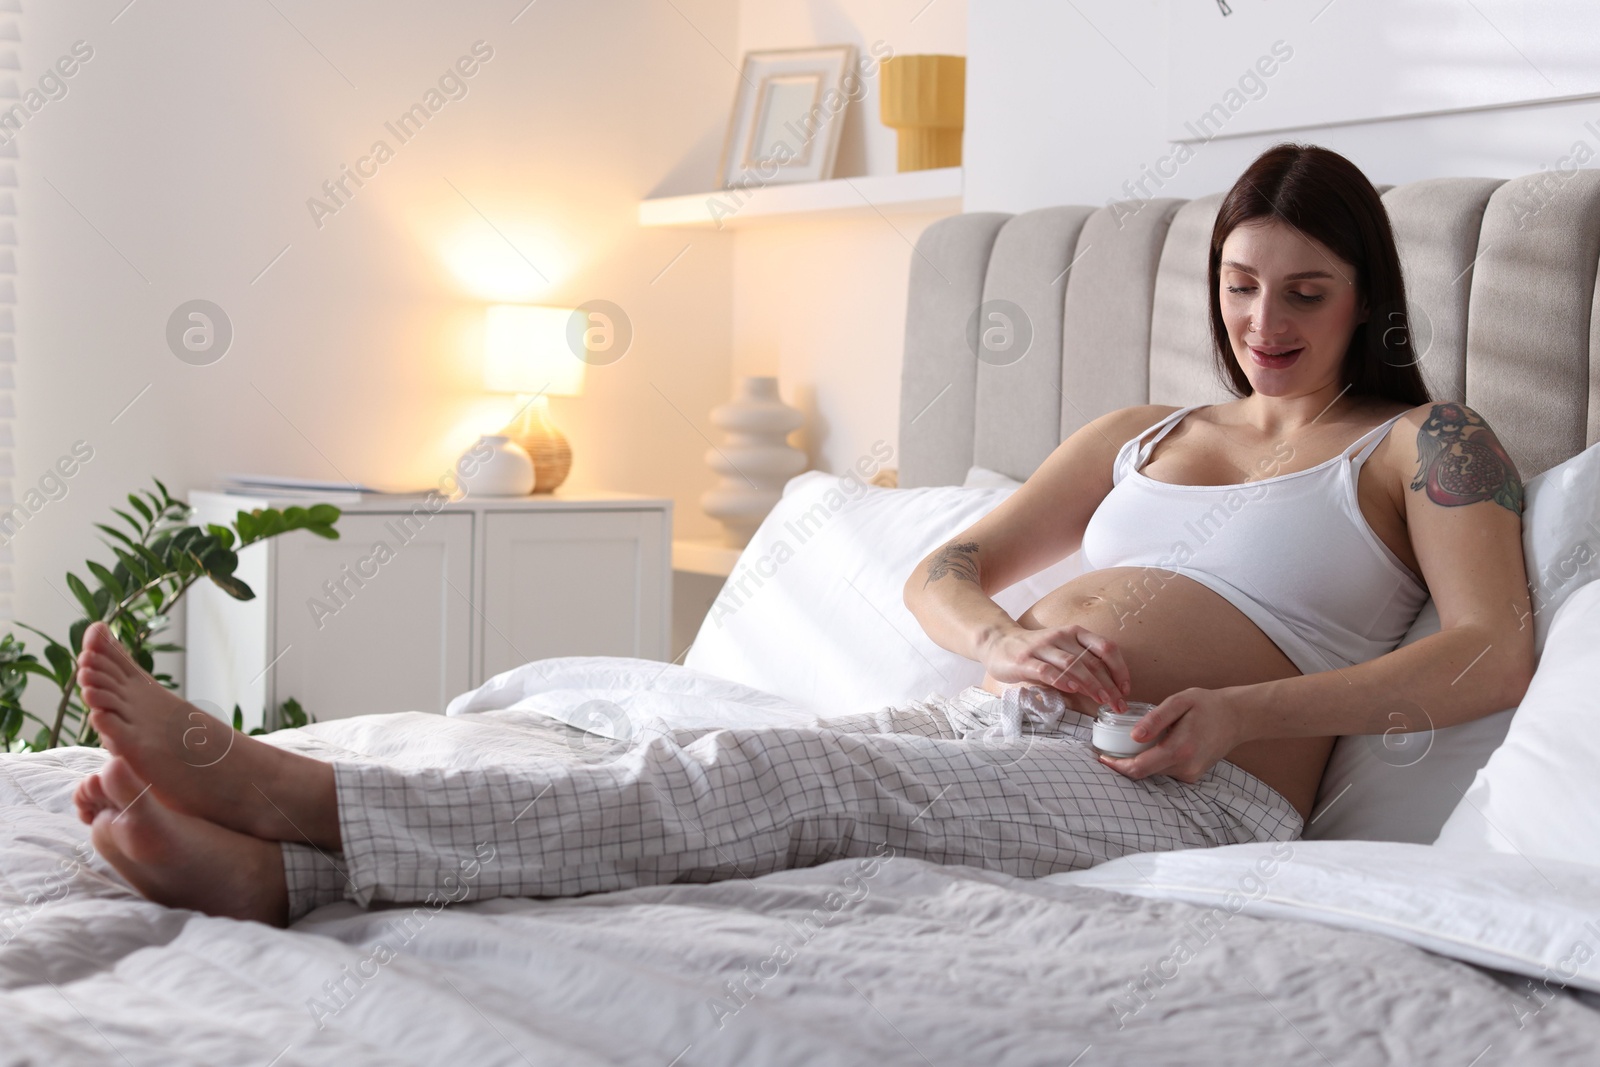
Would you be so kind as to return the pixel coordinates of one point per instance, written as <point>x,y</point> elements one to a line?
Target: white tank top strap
<point>1164,426</point>
<point>1370,441</point>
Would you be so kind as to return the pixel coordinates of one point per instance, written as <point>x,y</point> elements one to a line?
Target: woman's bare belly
<point>1174,634</point>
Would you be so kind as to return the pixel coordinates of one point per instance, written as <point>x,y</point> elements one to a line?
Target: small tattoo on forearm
<point>1460,461</point>
<point>955,559</point>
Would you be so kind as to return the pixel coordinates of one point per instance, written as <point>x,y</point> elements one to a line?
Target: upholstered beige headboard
<point>1500,276</point>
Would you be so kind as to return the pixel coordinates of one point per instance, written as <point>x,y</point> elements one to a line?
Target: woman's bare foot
<point>179,860</point>
<point>195,763</point>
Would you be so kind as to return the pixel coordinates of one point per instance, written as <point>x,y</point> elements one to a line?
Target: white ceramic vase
<point>754,461</point>
<point>496,466</point>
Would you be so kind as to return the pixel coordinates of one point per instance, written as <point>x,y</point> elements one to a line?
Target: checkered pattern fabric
<point>1008,784</point>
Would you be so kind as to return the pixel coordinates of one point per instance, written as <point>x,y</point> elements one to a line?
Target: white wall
<point>179,165</point>
<point>1066,103</point>
<point>188,145</point>
<point>822,306</point>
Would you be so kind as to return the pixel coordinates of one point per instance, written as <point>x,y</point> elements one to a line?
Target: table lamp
<point>526,353</point>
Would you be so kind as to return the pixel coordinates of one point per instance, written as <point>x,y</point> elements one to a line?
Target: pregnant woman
<point>1251,567</point>
<point>1252,564</point>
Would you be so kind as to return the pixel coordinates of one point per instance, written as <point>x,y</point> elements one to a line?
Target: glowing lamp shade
<point>526,351</point>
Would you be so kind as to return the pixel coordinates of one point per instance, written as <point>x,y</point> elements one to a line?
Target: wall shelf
<point>917,191</point>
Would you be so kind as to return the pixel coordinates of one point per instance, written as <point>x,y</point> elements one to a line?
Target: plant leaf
<point>291,714</point>
<point>157,564</point>
<point>130,520</point>
<point>35,629</point>
<point>233,586</point>
<point>219,560</point>
<point>10,723</point>
<point>61,660</point>
<point>75,635</point>
<point>182,540</point>
<point>142,508</point>
<point>134,567</point>
<point>85,597</point>
<point>106,578</point>
<point>114,532</point>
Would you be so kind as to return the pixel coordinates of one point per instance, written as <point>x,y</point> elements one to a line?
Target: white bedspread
<point>1529,916</point>
<point>896,962</point>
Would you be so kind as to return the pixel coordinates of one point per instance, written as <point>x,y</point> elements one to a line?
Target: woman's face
<point>1290,306</point>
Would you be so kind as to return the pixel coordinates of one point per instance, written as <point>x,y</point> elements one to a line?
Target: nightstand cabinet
<point>411,607</point>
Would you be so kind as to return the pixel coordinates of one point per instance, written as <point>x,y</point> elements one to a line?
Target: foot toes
<point>109,726</point>
<point>98,637</point>
<point>122,785</point>
<point>88,798</point>
<point>91,676</point>
<point>102,653</point>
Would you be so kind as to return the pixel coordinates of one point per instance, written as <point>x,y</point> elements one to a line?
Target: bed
<point>1366,945</point>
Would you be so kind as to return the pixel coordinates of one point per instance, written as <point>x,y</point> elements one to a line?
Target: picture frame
<point>788,115</point>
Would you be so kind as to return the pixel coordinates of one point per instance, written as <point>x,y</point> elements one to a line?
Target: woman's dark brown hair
<point>1324,195</point>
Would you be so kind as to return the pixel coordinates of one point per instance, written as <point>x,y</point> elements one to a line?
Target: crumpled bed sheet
<point>887,961</point>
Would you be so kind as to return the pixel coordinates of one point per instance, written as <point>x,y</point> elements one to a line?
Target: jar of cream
<point>1113,730</point>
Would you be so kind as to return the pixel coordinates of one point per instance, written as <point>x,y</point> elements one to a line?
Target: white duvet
<point>1538,918</point>
<point>1532,916</point>
<point>891,961</point>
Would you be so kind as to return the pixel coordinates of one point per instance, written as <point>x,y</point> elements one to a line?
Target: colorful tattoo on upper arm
<point>954,559</point>
<point>1460,461</point>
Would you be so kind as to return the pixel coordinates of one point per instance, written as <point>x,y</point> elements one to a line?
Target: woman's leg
<point>727,803</point>
<point>685,806</point>
<point>194,763</point>
<point>178,859</point>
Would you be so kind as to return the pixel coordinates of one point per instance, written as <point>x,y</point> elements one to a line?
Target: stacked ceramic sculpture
<point>754,461</point>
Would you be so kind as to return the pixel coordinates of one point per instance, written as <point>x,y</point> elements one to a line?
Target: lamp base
<point>545,445</point>
<point>923,97</point>
<point>927,147</point>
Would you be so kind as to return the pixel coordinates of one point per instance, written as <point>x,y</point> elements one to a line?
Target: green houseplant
<point>158,557</point>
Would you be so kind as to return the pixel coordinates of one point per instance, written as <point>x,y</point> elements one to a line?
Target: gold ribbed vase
<point>924,99</point>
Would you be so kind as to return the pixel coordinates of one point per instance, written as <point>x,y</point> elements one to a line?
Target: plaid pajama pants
<point>1009,784</point>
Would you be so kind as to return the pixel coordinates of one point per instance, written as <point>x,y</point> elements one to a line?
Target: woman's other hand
<point>1069,658</point>
<point>1201,728</point>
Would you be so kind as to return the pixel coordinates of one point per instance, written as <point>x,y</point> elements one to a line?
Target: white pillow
<point>984,478</point>
<point>813,612</point>
<point>1402,787</point>
<point>1539,795</point>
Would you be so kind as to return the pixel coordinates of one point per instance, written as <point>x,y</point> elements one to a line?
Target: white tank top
<point>1292,552</point>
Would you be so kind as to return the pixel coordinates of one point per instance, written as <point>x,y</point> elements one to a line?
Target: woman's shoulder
<point>1119,428</point>
<point>1441,421</point>
<point>1125,423</point>
<point>1434,427</point>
